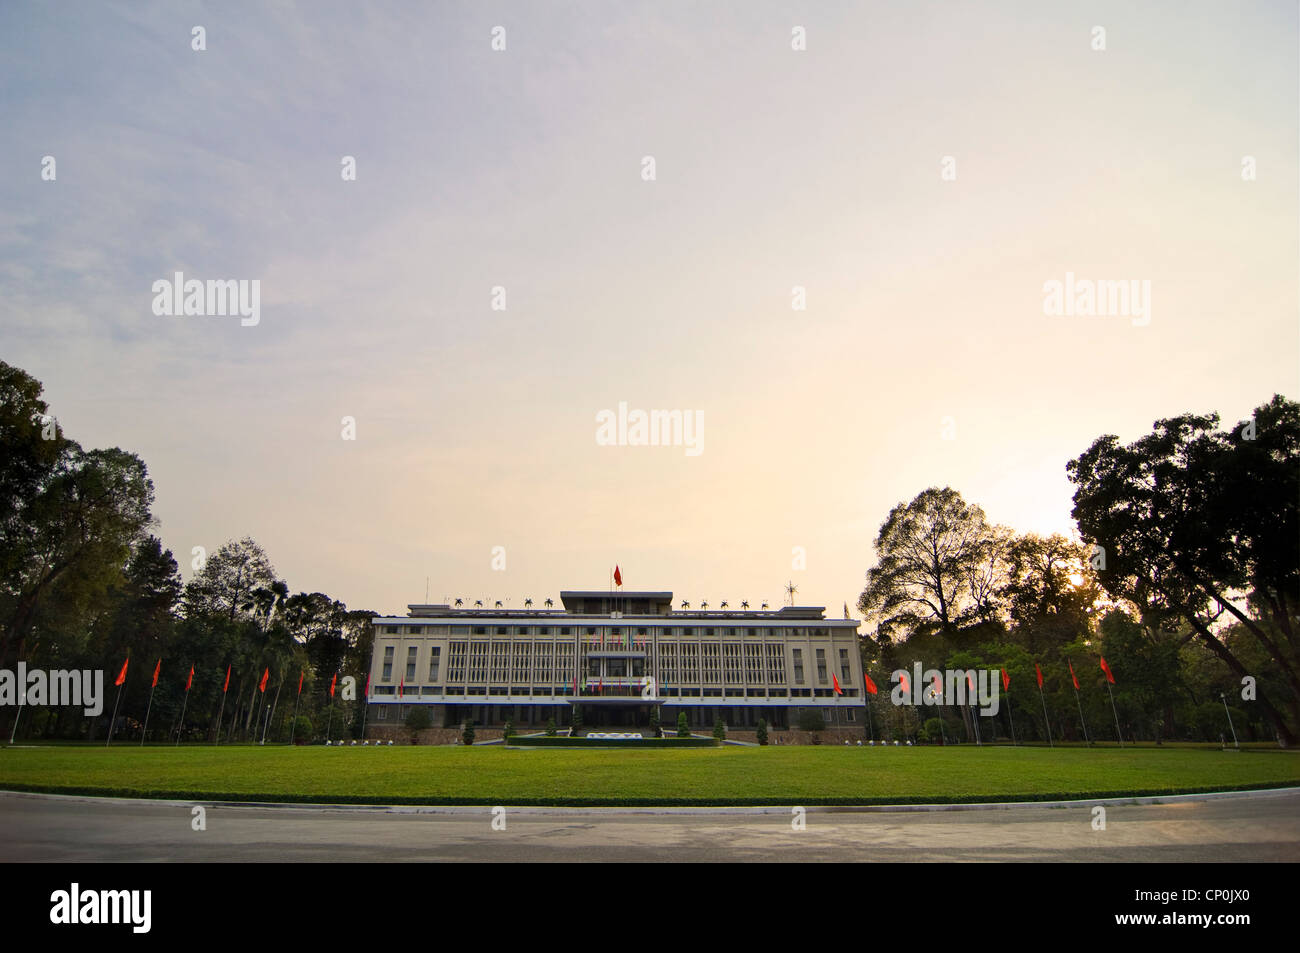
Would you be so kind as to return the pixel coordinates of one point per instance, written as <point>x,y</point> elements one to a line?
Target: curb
<point>699,811</point>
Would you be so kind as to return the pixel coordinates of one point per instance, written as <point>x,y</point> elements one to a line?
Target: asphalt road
<point>1259,827</point>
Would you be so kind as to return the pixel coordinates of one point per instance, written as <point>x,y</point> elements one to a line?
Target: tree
<point>507,731</point>
<point>467,732</point>
<point>928,553</point>
<point>760,734</point>
<point>810,719</point>
<point>417,719</point>
<point>656,729</point>
<point>683,729</point>
<point>550,728</point>
<point>1185,516</point>
<point>719,730</point>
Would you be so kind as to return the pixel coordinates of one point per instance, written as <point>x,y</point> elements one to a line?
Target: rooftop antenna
<point>790,590</point>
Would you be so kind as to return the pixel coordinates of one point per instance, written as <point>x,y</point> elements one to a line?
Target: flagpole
<point>144,731</point>
<point>222,711</point>
<point>22,699</point>
<point>180,730</point>
<point>1047,722</point>
<point>1113,709</point>
<point>1079,702</point>
<point>365,712</point>
<point>113,721</point>
<point>1011,721</point>
<point>293,725</point>
<point>1223,697</point>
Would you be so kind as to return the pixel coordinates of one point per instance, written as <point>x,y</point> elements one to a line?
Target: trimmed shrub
<point>467,733</point>
<point>683,729</point>
<point>719,730</point>
<point>761,732</point>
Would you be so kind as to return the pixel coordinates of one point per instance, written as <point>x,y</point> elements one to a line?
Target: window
<point>381,712</point>
<point>456,665</point>
<point>500,662</point>
<point>388,663</point>
<point>798,665</point>
<point>391,629</point>
<point>410,663</point>
<point>844,666</point>
<point>433,663</point>
<point>478,656</point>
<point>753,663</point>
<point>520,667</point>
<point>542,663</point>
<point>848,714</point>
<point>821,665</point>
<point>731,663</point>
<point>690,662</point>
<point>775,664</point>
<point>710,652</point>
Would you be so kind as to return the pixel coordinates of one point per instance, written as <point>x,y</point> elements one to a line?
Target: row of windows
<point>609,631</point>
<point>709,663</point>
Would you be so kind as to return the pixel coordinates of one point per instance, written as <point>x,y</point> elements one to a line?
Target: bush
<point>656,729</point>
<point>810,719</point>
<point>932,729</point>
<point>762,732</point>
<point>719,730</point>
<point>418,718</point>
<point>683,730</point>
<point>507,731</point>
<point>467,733</point>
<point>300,729</point>
<point>577,720</point>
<point>550,728</point>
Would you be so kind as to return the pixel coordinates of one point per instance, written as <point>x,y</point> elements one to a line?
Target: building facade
<point>618,655</point>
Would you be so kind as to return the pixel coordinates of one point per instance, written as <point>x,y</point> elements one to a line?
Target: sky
<point>922,171</point>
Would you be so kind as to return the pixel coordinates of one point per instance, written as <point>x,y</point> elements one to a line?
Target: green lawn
<point>729,775</point>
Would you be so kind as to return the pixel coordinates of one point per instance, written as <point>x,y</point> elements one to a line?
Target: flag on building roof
<point>618,577</point>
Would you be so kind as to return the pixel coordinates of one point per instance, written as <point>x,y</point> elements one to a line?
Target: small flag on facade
<point>835,682</point>
<point>870,685</point>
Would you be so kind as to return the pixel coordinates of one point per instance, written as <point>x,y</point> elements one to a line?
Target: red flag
<point>618,577</point>
<point>903,682</point>
<point>870,685</point>
<point>121,676</point>
<point>401,685</point>
<point>836,683</point>
<point>227,685</point>
<point>575,684</point>
<point>262,685</point>
<point>1040,675</point>
<point>1006,680</point>
<point>301,675</point>
<point>333,681</point>
<point>156,669</point>
<point>190,681</point>
<point>367,691</point>
<point>970,681</point>
<point>1072,675</point>
<point>1106,668</point>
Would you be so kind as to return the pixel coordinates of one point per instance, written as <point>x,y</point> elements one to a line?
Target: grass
<point>697,776</point>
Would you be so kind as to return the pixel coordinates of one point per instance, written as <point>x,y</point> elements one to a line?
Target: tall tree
<point>1174,514</point>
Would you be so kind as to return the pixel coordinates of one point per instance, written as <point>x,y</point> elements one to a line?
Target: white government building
<point>618,655</point>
